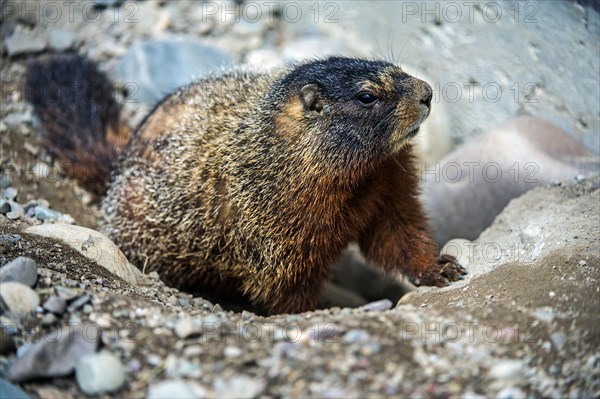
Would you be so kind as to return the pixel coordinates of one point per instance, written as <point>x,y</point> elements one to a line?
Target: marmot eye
<point>366,98</point>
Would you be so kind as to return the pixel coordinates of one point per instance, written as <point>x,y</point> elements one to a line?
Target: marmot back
<point>254,183</point>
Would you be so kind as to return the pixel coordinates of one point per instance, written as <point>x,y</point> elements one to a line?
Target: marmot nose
<point>426,94</point>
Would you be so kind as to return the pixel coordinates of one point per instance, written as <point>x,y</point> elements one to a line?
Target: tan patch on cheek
<point>290,122</point>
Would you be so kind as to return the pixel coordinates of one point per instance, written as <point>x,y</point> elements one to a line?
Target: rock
<point>19,298</point>
<point>23,42</point>
<point>68,294</point>
<point>186,327</point>
<point>10,193</point>
<point>353,336</point>
<point>99,373</point>
<point>10,391</point>
<point>43,213</point>
<point>79,302</point>
<point>157,68</point>
<point>511,393</point>
<point>16,119</point>
<point>13,215</point>
<point>558,339</point>
<point>91,244</point>
<point>468,188</point>
<point>16,210</point>
<point>171,389</point>
<point>384,304</point>
<point>54,355</point>
<point>55,304</point>
<point>22,270</point>
<point>41,170</point>
<point>232,351</point>
<point>239,386</point>
<point>60,39</point>
<point>508,370</point>
<point>48,320</point>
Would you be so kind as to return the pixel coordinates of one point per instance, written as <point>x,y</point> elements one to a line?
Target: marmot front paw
<point>445,270</point>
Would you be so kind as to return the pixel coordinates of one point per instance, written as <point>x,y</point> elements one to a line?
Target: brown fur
<point>246,183</point>
<point>82,119</point>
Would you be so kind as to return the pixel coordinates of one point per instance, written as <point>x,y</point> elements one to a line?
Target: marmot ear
<point>311,98</point>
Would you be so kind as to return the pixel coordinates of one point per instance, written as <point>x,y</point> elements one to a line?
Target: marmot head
<point>353,108</point>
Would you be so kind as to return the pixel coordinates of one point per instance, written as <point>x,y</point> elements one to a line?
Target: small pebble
<point>13,215</point>
<point>79,302</point>
<point>511,393</point>
<point>192,351</point>
<point>239,386</point>
<point>171,389</point>
<point>384,304</point>
<point>48,319</point>
<point>43,213</point>
<point>356,335</point>
<point>232,351</point>
<point>55,304</point>
<point>172,300</point>
<point>10,193</point>
<point>507,370</point>
<point>558,339</point>
<point>41,170</point>
<point>184,303</point>
<point>185,328</point>
<point>546,314</point>
<point>67,294</point>
<point>60,39</point>
<point>19,298</point>
<point>22,270</point>
<point>23,42</point>
<point>582,263</point>
<point>98,373</point>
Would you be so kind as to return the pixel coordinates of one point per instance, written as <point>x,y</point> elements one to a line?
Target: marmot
<point>255,182</point>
